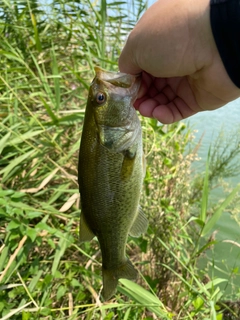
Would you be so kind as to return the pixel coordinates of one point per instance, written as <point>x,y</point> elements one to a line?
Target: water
<point>225,256</point>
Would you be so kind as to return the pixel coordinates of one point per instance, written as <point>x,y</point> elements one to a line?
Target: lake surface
<point>225,256</point>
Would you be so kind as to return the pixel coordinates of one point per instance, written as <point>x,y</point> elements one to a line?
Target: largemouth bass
<point>110,173</point>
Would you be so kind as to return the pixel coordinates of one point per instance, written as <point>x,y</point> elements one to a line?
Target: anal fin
<point>140,224</point>
<point>86,233</point>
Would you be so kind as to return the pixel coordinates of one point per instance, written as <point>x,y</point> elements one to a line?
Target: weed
<point>47,54</point>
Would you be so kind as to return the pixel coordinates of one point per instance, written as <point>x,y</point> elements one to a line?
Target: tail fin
<point>110,278</point>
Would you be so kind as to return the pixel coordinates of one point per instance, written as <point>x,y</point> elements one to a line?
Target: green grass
<point>47,57</point>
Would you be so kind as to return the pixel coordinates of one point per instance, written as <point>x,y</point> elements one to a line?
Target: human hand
<point>182,72</point>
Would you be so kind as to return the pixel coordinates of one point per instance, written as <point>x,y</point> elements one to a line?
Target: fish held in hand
<point>110,173</point>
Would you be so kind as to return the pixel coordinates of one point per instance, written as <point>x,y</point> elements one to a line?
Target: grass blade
<point>61,247</point>
<point>55,72</point>
<point>217,214</point>
<point>3,141</point>
<point>17,161</point>
<point>15,311</point>
<point>205,192</point>
<point>145,298</point>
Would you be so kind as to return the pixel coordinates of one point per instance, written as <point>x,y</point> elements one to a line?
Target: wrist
<point>201,37</point>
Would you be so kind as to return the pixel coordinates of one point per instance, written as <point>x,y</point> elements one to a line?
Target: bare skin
<point>182,73</point>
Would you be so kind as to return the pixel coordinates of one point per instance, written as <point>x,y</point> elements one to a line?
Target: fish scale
<point>110,173</point>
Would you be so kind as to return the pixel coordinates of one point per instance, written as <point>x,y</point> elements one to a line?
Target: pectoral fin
<point>86,233</point>
<point>140,224</point>
<point>128,163</point>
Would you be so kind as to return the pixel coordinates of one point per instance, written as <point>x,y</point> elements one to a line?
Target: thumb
<point>127,60</point>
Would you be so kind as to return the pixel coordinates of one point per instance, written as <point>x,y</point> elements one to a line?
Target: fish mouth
<point>121,83</point>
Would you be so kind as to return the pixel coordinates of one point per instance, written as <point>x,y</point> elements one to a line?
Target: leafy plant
<point>47,54</point>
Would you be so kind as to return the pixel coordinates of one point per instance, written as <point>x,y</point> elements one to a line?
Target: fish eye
<point>100,97</point>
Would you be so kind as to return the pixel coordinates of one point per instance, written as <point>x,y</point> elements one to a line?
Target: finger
<point>169,93</point>
<point>146,82</point>
<point>147,101</point>
<point>160,83</point>
<point>172,112</point>
<point>147,105</point>
<point>167,113</point>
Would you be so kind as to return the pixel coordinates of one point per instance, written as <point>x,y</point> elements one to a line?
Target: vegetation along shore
<point>47,56</point>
